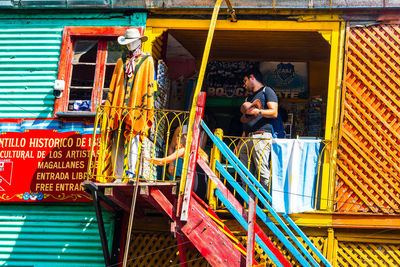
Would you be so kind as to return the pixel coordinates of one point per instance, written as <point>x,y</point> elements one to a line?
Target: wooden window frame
<point>65,65</point>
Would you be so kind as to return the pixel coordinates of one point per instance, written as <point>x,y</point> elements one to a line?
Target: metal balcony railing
<point>156,152</point>
<point>135,144</point>
<point>245,145</point>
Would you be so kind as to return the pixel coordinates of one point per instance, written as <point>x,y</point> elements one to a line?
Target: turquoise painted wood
<point>30,44</point>
<point>244,224</point>
<point>56,235</point>
<point>262,196</point>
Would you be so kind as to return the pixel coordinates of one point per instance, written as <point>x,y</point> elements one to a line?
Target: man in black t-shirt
<point>259,110</point>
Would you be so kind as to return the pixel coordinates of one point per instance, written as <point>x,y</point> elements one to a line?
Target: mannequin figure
<point>131,87</point>
<point>137,74</point>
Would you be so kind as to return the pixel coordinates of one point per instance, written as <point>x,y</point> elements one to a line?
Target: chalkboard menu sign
<point>224,79</point>
<point>288,79</point>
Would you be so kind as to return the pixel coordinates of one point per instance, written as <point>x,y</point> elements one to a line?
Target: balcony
<point>154,156</point>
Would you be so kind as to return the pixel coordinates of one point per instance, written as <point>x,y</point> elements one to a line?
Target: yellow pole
<point>331,245</point>
<point>215,155</point>
<point>335,134</point>
<point>330,118</point>
<point>196,94</point>
<point>89,173</point>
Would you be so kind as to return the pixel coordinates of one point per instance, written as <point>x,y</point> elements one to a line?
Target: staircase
<point>196,223</point>
<point>206,231</point>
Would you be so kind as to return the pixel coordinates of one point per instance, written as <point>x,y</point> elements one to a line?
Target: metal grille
<point>369,155</point>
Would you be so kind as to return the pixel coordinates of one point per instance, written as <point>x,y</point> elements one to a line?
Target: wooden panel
<point>156,50</point>
<point>159,249</point>
<point>260,45</point>
<point>260,256</point>
<point>368,174</point>
<point>367,254</point>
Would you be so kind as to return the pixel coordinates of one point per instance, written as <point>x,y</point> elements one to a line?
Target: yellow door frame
<point>330,27</point>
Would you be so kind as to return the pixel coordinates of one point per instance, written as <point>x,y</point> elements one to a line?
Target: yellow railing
<point>121,152</point>
<point>246,146</point>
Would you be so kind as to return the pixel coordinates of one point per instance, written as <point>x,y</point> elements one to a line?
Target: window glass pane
<point>85,51</point>
<point>80,93</point>
<point>83,75</point>
<point>80,99</point>
<point>80,90</point>
<point>115,51</point>
<point>107,78</point>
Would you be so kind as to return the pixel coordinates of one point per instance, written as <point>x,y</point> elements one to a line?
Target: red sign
<point>43,165</point>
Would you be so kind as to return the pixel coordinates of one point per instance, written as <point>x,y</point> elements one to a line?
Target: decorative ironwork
<point>110,154</point>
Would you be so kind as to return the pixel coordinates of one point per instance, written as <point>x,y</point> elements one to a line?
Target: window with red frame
<point>87,61</point>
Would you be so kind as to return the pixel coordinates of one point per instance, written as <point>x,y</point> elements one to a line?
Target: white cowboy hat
<point>131,35</point>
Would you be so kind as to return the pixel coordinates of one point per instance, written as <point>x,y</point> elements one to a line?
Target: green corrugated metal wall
<point>62,235</point>
<point>28,68</point>
<point>29,53</point>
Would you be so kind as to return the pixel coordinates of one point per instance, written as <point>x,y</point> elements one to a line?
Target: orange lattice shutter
<point>368,174</point>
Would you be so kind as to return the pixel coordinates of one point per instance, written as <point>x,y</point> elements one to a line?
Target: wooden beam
<point>363,221</point>
<point>244,25</point>
<point>239,208</point>
<point>155,197</point>
<point>117,197</point>
<point>211,242</point>
<point>251,220</point>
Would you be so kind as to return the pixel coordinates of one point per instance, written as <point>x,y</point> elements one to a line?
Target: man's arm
<point>271,112</point>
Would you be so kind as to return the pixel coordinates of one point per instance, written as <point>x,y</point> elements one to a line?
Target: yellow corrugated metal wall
<point>368,173</point>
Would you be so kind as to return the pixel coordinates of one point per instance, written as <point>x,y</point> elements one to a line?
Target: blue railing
<point>298,250</point>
